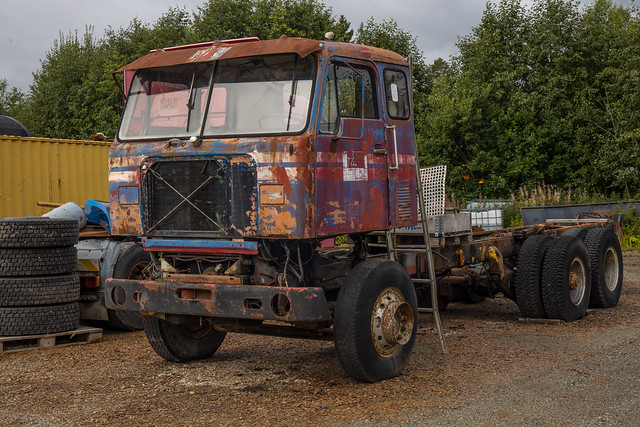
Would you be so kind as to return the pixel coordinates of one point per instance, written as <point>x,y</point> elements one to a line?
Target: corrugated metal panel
<point>52,170</point>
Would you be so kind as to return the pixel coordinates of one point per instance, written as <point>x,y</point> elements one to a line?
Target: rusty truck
<point>236,161</point>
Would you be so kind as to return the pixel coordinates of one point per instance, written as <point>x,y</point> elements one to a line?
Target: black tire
<point>39,290</point>
<point>37,261</point>
<point>183,342</point>
<point>423,297</point>
<point>529,275</point>
<point>566,279</point>
<point>579,232</point>
<point>48,319</point>
<point>37,232</point>
<point>373,290</point>
<point>131,264</point>
<point>605,256</point>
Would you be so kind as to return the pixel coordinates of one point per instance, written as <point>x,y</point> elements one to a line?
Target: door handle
<point>382,151</point>
<point>395,145</point>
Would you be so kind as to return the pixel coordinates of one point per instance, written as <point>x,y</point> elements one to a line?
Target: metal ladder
<point>392,248</point>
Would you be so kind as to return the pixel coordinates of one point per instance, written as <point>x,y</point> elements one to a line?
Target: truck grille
<point>198,197</point>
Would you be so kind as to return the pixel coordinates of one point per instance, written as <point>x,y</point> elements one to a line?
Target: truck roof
<point>237,48</point>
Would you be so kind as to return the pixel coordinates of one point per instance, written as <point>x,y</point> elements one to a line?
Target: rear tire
<point>566,279</point>
<point>529,276</point>
<point>183,342</point>
<point>605,256</point>
<point>131,264</point>
<point>375,320</point>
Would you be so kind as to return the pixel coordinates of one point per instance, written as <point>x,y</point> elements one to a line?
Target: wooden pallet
<point>82,335</point>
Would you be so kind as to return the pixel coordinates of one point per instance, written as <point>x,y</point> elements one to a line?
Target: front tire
<point>375,320</point>
<point>132,264</point>
<point>183,342</point>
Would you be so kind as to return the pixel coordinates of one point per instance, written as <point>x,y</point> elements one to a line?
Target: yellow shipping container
<point>51,170</point>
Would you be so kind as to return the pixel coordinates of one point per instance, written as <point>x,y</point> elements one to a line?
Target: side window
<point>343,95</point>
<point>397,94</point>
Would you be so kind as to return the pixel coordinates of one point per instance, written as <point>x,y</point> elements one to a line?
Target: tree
<point>267,19</point>
<point>57,101</point>
<point>10,99</point>
<point>546,93</point>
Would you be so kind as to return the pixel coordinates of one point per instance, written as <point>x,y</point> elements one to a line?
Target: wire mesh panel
<point>488,214</point>
<point>433,181</point>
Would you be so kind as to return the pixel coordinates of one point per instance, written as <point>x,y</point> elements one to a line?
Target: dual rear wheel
<point>561,278</point>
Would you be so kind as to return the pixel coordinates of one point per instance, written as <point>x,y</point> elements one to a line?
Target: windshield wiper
<point>294,88</point>
<point>191,101</point>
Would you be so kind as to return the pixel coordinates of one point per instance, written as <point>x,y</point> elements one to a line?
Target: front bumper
<point>218,300</point>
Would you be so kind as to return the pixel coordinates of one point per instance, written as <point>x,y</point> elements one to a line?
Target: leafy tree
<point>73,95</point>
<point>267,19</point>
<point>11,100</point>
<point>546,93</point>
<point>57,102</point>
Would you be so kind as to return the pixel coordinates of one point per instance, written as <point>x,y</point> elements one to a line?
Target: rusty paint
<point>281,176</point>
<point>272,194</point>
<point>217,300</point>
<point>220,50</point>
<point>279,222</point>
<point>202,279</point>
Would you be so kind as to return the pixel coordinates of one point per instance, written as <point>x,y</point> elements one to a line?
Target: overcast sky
<point>29,27</point>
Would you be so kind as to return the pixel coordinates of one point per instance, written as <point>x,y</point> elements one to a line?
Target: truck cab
<point>237,162</point>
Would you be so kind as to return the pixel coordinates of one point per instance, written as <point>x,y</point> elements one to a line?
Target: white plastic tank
<point>69,211</point>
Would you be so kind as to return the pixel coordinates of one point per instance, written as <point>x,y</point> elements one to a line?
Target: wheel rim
<point>611,268</point>
<point>140,271</point>
<point>392,321</point>
<point>577,281</point>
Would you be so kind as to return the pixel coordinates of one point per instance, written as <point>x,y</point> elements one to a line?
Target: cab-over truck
<point>236,161</point>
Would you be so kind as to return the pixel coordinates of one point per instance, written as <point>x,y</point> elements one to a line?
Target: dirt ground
<point>497,371</point>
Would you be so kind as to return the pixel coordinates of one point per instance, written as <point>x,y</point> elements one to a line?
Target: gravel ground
<point>497,371</point>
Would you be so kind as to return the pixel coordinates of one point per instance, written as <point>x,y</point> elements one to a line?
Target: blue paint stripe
<point>200,244</point>
<point>124,168</point>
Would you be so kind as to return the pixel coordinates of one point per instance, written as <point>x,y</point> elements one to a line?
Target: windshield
<point>249,96</point>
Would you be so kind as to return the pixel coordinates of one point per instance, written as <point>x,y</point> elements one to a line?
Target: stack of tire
<point>39,286</point>
<point>560,278</point>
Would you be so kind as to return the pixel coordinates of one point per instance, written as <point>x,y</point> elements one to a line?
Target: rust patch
<point>281,176</point>
<point>277,221</point>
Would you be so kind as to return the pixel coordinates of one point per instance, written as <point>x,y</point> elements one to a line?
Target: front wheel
<point>135,264</point>
<point>183,342</point>
<point>375,320</point>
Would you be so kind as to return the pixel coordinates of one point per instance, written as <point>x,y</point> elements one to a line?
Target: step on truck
<point>237,161</point>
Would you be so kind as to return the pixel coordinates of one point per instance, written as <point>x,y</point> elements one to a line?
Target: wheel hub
<point>392,322</point>
<point>577,281</point>
<point>611,268</point>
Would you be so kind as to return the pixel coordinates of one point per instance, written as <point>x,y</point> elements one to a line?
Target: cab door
<point>351,159</point>
<point>400,137</point>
